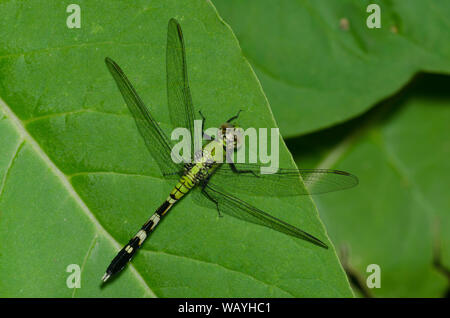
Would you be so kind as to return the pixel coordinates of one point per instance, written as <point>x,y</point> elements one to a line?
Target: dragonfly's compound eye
<point>231,135</point>
<point>224,129</point>
<point>238,137</point>
<point>233,138</point>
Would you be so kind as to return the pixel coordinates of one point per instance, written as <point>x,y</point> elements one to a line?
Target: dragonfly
<point>211,179</point>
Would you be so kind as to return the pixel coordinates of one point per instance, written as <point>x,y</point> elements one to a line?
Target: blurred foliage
<point>317,73</point>
<point>318,62</point>
<point>398,217</point>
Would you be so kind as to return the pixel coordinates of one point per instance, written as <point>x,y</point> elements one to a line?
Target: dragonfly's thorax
<point>213,152</point>
<point>204,162</point>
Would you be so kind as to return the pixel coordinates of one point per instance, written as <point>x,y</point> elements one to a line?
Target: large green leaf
<point>77,181</point>
<point>399,216</point>
<point>319,63</point>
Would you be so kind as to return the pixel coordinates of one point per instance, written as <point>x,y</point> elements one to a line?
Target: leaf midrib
<point>26,137</point>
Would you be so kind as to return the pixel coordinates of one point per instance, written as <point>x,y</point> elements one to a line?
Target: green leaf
<point>77,180</point>
<point>319,63</point>
<point>398,217</point>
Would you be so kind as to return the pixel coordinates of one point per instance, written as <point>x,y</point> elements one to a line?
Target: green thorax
<point>212,156</point>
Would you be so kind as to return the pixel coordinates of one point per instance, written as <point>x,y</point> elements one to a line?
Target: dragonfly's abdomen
<point>186,183</point>
<point>190,179</point>
<point>127,253</point>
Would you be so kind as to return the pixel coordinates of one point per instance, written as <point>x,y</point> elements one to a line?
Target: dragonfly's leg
<point>203,119</point>
<point>203,126</point>
<point>213,200</point>
<point>235,170</point>
<point>234,117</point>
<point>203,185</point>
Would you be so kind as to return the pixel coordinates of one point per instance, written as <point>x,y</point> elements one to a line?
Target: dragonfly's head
<point>231,136</point>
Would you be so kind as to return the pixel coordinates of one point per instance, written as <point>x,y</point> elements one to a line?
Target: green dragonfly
<point>206,173</point>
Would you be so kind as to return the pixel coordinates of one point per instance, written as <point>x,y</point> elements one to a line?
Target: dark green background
<point>395,134</point>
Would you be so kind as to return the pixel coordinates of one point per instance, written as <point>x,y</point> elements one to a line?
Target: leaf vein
<point>219,265</point>
<point>69,47</point>
<point>67,185</point>
<point>10,165</point>
<point>88,253</point>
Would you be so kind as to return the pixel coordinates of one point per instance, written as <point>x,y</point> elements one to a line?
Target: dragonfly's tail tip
<point>105,277</point>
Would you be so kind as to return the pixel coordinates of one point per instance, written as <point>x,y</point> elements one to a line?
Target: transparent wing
<point>156,141</point>
<point>285,182</point>
<point>178,93</point>
<point>214,195</point>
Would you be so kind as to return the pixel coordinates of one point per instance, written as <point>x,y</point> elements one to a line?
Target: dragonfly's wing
<point>285,182</point>
<point>178,92</point>
<point>238,208</point>
<point>156,141</point>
